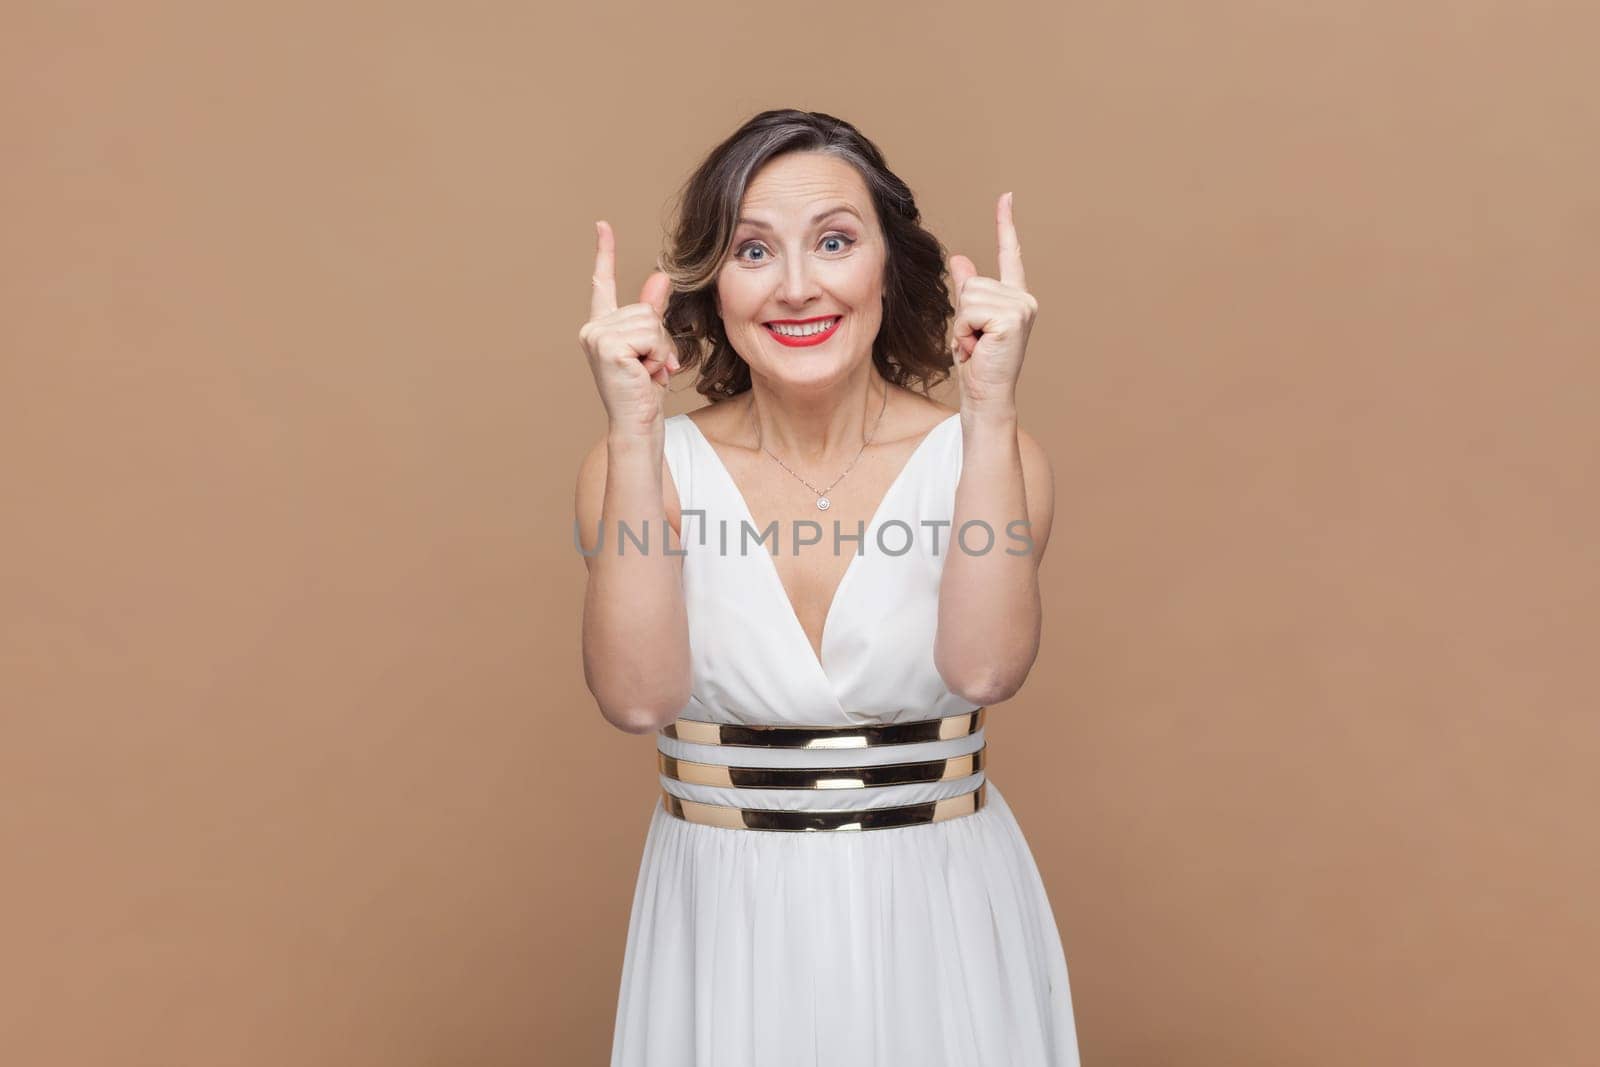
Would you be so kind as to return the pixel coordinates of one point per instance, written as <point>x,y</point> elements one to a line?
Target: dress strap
<point>679,454</point>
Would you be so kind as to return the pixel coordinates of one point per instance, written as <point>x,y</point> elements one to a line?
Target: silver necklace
<point>823,503</point>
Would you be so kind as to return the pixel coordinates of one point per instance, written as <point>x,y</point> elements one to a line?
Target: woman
<point>827,877</point>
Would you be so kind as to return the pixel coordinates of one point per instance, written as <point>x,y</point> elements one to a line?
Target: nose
<point>797,287</point>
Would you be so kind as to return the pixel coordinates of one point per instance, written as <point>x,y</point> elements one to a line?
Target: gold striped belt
<point>783,766</point>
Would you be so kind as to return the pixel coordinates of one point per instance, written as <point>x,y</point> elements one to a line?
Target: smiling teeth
<point>803,331</point>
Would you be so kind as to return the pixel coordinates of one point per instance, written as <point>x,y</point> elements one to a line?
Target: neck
<point>816,426</point>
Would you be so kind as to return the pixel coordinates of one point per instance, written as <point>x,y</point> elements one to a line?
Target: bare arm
<point>989,606</point>
<point>989,611</point>
<point>635,627</point>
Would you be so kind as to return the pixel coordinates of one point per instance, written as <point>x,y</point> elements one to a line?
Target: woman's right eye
<point>748,244</point>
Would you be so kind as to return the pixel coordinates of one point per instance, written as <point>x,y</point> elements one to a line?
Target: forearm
<point>635,628</point>
<point>989,607</point>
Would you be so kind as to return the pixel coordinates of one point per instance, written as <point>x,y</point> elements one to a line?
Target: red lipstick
<point>808,340</point>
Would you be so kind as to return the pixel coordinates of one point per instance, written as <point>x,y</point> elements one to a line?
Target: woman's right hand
<point>630,351</point>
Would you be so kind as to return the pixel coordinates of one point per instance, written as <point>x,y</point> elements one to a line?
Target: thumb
<point>656,289</point>
<point>961,268</point>
<point>964,341</point>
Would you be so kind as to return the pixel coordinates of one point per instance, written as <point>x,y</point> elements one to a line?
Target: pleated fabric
<point>932,945</point>
<point>926,945</point>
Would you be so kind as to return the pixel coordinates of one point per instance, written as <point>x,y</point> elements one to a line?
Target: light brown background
<point>297,762</point>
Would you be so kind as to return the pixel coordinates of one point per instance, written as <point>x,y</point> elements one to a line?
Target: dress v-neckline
<point>770,566</point>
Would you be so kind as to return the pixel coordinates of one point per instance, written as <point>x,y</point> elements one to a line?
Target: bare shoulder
<point>711,421</point>
<point>920,414</point>
<point>937,413</point>
<point>590,493</point>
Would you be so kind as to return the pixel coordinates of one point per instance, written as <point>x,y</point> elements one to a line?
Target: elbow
<point>633,706</point>
<point>645,718</point>
<point>985,689</point>
<point>981,677</point>
<point>977,682</point>
<point>639,720</point>
<point>636,722</point>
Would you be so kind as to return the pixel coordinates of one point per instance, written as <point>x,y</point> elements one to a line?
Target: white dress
<point>931,945</point>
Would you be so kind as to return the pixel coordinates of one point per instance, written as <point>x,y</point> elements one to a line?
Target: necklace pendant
<point>823,504</point>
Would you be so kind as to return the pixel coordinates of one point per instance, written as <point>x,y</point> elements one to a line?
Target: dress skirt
<point>930,945</point>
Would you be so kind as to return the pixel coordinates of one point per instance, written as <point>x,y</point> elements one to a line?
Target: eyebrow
<point>814,219</point>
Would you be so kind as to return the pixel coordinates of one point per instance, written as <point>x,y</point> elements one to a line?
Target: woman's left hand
<point>992,323</point>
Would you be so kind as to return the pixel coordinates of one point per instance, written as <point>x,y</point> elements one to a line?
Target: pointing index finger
<point>603,299</point>
<point>1010,248</point>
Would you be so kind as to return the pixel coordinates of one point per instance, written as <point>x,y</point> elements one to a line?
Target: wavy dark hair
<point>910,346</point>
